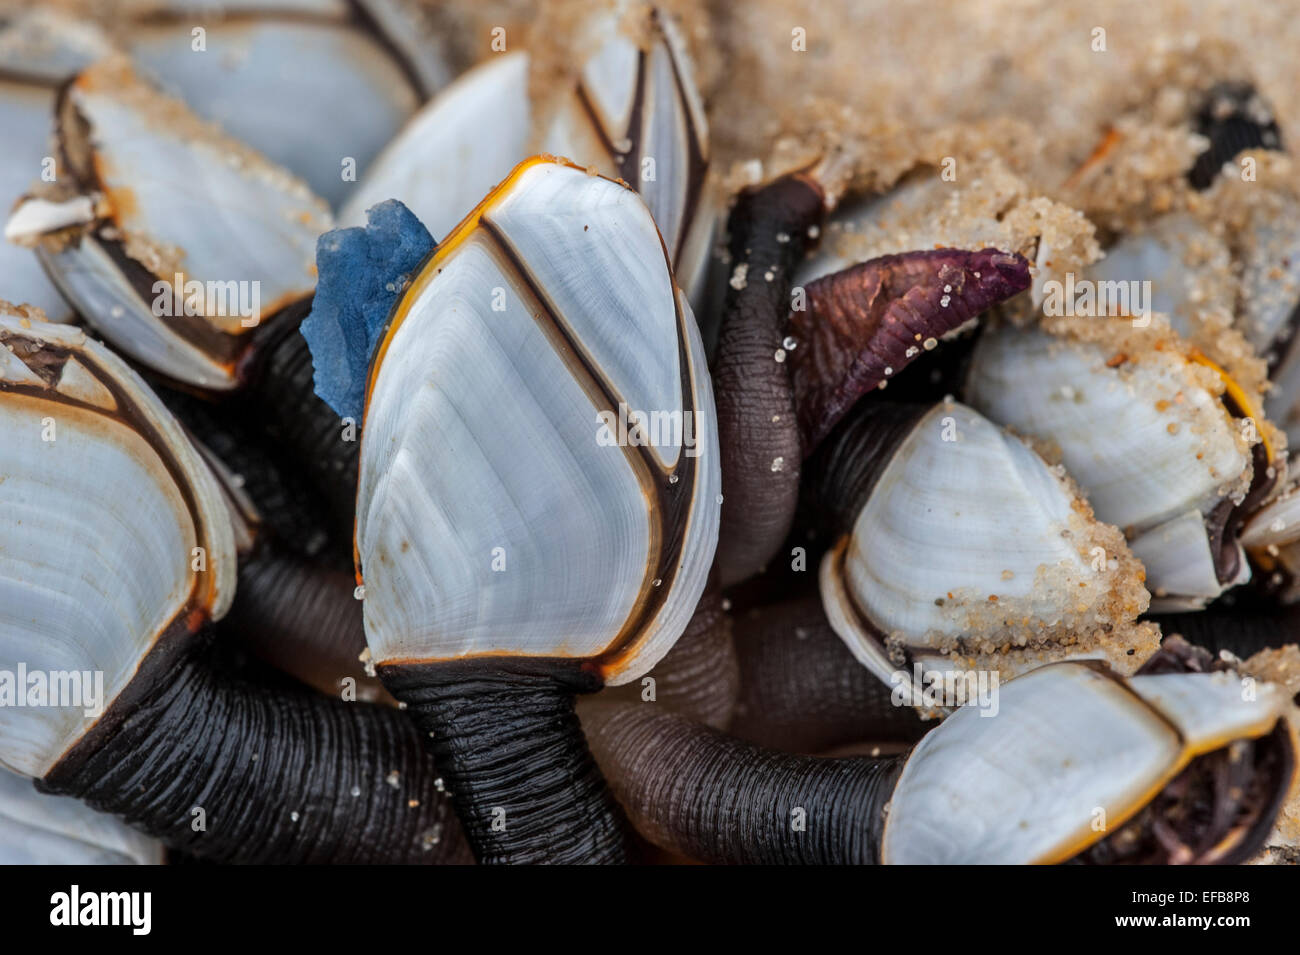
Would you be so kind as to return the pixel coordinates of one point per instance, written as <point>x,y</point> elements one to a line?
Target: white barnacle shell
<point>970,551</point>
<point>1068,756</point>
<point>41,829</point>
<point>1270,290</point>
<point>497,513</point>
<point>441,163</point>
<point>25,115</point>
<point>1185,267</point>
<point>113,533</point>
<point>308,92</point>
<point>630,109</point>
<point>46,45</point>
<point>1155,450</point>
<point>39,49</point>
<point>174,199</point>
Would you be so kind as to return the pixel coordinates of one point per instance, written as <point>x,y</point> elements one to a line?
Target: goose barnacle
<point>138,251</point>
<point>211,306</point>
<point>115,569</point>
<point>957,547</point>
<point>1077,765</point>
<point>209,303</point>
<point>509,558</point>
<point>1161,440</point>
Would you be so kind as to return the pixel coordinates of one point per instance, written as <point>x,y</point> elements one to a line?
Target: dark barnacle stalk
<point>757,423</point>
<point>521,537</point>
<point>305,620</point>
<point>710,796</point>
<point>697,678</point>
<point>280,395</point>
<point>231,771</point>
<point>511,747</point>
<point>802,691</point>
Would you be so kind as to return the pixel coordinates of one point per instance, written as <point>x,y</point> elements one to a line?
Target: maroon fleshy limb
<point>864,324</point>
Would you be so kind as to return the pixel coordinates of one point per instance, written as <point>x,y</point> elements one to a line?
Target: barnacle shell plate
<point>41,829</point>
<point>306,95</point>
<point>979,513</point>
<point>442,163</point>
<point>25,117</point>
<point>1068,747</point>
<point>482,440</point>
<point>97,537</point>
<point>1146,443</point>
<point>1184,263</point>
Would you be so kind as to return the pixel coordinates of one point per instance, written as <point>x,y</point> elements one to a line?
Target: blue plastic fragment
<point>360,274</point>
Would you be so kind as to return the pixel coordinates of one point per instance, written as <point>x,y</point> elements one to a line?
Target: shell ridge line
<point>688,195</point>
<point>609,394</point>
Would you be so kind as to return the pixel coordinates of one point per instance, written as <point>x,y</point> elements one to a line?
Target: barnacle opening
<point>1218,810</point>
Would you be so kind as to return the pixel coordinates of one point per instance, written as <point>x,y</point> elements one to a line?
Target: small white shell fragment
<point>76,382</point>
<point>15,371</point>
<point>35,216</point>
